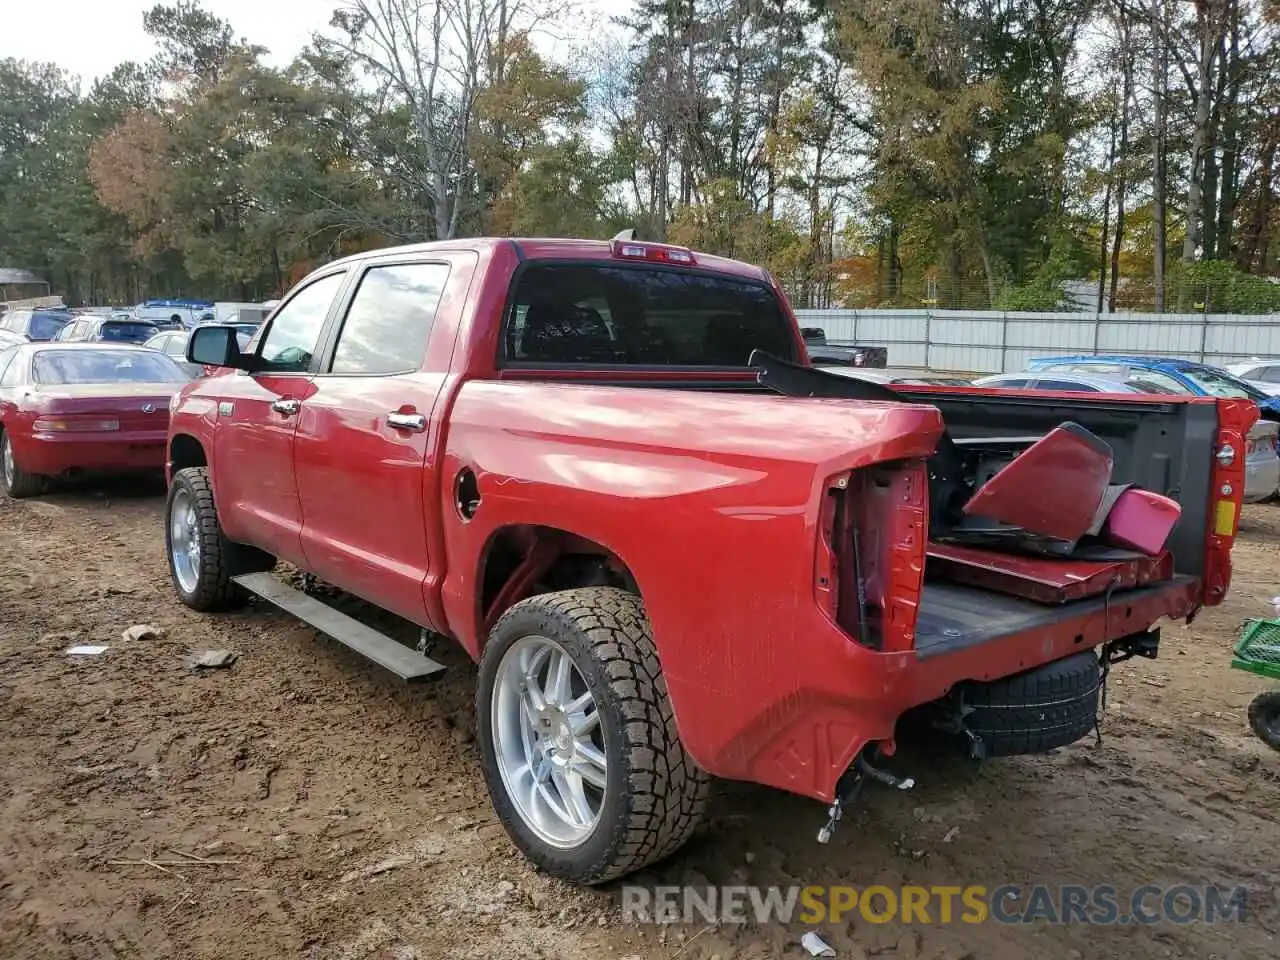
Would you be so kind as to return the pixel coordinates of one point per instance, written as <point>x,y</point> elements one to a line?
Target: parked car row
<point>39,325</point>
<point>70,326</point>
<point>1112,374</point>
<point>101,325</point>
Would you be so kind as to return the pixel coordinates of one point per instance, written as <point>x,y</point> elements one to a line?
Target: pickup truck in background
<point>675,549</point>
<point>822,353</point>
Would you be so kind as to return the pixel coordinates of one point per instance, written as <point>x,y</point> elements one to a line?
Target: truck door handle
<point>287,407</point>
<point>416,422</point>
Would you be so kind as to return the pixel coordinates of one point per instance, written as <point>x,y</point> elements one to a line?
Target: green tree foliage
<point>946,152</point>
<point>1044,289</point>
<point>43,190</point>
<point>1218,286</point>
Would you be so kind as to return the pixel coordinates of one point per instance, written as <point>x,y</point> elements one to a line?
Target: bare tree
<point>430,57</point>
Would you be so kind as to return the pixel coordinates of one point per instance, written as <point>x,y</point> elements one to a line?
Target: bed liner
<point>954,617</point>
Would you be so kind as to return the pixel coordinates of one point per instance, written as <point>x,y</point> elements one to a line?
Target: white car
<point>1263,374</point>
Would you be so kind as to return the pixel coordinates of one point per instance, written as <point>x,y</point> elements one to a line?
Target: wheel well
<point>524,561</point>
<point>186,451</point>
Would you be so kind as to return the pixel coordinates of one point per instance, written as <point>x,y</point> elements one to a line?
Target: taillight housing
<point>873,531</point>
<point>826,573</point>
<point>1226,494</point>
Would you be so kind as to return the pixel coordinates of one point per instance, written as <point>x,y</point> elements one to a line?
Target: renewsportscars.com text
<point>1008,904</point>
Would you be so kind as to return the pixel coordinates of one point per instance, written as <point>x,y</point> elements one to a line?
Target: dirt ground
<point>343,815</point>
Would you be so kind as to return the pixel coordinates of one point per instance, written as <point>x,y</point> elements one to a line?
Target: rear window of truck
<point>611,315</point>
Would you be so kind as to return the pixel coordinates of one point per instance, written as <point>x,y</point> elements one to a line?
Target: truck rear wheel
<point>202,561</point>
<point>579,744</point>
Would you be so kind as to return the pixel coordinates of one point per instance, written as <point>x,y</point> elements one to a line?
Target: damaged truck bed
<point>1125,511</point>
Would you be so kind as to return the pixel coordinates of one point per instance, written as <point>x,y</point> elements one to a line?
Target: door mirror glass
<point>214,346</point>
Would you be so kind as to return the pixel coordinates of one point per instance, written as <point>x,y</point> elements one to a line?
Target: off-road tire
<point>1264,718</point>
<point>655,795</point>
<point>1041,709</point>
<point>221,560</point>
<point>24,484</point>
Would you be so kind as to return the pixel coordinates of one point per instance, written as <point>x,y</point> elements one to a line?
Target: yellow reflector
<point>1224,524</point>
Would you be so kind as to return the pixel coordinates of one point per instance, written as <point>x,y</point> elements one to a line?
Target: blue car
<point>1162,374</point>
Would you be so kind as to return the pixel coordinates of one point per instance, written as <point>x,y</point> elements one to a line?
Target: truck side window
<point>390,319</point>
<point>291,341</point>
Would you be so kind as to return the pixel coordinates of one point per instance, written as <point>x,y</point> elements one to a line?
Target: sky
<point>89,37</point>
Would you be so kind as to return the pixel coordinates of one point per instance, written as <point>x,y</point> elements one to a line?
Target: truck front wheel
<point>580,750</point>
<point>202,561</point>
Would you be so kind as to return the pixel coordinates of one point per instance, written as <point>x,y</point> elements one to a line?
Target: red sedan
<point>69,408</point>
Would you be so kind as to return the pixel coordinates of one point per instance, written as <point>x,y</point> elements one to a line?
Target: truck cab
<point>608,471</point>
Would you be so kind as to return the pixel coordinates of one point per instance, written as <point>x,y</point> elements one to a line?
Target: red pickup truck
<point>675,550</point>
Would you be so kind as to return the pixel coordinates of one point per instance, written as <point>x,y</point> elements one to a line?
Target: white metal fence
<point>982,341</point>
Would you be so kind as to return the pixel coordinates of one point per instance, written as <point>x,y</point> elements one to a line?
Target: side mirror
<point>215,346</point>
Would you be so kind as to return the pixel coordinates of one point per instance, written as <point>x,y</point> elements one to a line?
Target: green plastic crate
<point>1258,649</point>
